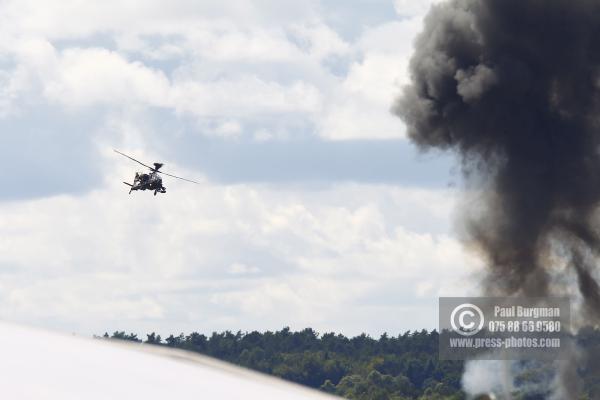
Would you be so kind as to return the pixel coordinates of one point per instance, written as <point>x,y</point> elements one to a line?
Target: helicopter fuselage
<point>147,181</point>
<point>151,180</point>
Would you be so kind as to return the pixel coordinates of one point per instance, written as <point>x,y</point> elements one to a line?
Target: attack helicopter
<point>152,180</point>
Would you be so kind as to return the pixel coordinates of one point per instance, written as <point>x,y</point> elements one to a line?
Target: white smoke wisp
<point>491,377</point>
<point>508,379</point>
<point>567,383</point>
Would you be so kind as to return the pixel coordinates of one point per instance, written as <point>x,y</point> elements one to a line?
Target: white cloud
<point>410,8</point>
<point>229,44</point>
<point>222,65</point>
<point>97,76</point>
<point>76,19</point>
<point>359,106</point>
<point>229,129</point>
<point>352,116</point>
<point>244,97</point>
<point>87,77</point>
<point>320,40</point>
<point>242,269</point>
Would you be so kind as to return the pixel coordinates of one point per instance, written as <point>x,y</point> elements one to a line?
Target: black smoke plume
<point>513,87</point>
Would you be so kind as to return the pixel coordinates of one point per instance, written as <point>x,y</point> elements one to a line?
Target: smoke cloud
<point>513,88</point>
<point>488,376</point>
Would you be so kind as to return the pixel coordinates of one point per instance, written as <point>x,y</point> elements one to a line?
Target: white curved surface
<point>42,365</point>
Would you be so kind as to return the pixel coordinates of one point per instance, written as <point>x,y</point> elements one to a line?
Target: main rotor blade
<point>131,158</point>
<point>178,177</point>
<point>155,169</point>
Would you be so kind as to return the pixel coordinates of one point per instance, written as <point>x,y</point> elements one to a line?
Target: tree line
<point>399,367</point>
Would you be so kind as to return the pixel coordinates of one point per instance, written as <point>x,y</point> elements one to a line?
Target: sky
<point>312,209</point>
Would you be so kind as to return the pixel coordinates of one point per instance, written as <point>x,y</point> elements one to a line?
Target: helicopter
<point>152,180</point>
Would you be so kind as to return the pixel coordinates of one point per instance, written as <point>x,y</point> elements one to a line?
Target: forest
<point>363,368</point>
